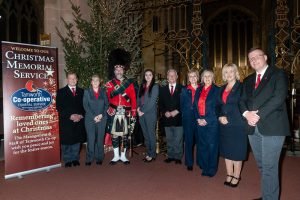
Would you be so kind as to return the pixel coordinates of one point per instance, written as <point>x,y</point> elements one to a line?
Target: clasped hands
<point>98,118</point>
<point>76,117</point>
<point>223,120</point>
<point>201,122</point>
<point>252,117</point>
<point>173,113</point>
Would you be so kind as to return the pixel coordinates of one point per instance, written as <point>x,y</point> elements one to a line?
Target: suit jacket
<point>230,109</point>
<point>269,99</point>
<point>210,105</point>
<point>186,104</point>
<point>168,102</point>
<point>93,106</point>
<point>149,107</point>
<point>66,105</point>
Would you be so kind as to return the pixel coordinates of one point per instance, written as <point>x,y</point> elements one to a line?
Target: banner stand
<point>21,174</point>
<point>30,118</point>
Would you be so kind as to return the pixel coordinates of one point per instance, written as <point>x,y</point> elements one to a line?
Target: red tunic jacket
<point>127,99</point>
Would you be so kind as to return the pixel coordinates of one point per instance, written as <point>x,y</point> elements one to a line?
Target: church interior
<point>173,34</point>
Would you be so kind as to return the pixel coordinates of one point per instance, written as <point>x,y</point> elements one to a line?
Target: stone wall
<point>54,10</point>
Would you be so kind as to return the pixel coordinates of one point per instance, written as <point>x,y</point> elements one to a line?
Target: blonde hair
<point>207,71</point>
<point>195,71</point>
<point>230,65</point>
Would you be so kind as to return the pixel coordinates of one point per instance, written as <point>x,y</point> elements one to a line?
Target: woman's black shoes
<point>99,162</point>
<point>227,182</point>
<point>237,182</point>
<point>189,168</point>
<point>230,179</point>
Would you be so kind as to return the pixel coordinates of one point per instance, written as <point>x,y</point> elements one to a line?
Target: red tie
<point>257,80</point>
<point>74,92</point>
<point>172,90</point>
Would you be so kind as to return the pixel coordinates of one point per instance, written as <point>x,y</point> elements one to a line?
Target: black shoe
<point>204,174</point>
<point>177,161</point>
<point>88,163</point>
<point>168,160</point>
<point>228,182</point>
<point>113,162</point>
<point>189,168</point>
<point>68,164</point>
<point>126,162</point>
<point>75,163</point>
<point>207,174</point>
<point>138,145</point>
<point>235,184</point>
<point>99,162</point>
<point>148,159</point>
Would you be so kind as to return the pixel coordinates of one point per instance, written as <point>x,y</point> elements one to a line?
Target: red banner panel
<point>31,134</point>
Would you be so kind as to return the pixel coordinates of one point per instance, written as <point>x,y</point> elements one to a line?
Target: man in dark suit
<point>169,105</point>
<point>263,105</point>
<point>71,124</point>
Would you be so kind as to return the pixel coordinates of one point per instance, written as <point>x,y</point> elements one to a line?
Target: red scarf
<point>225,95</point>
<point>96,94</point>
<point>193,91</point>
<point>202,100</point>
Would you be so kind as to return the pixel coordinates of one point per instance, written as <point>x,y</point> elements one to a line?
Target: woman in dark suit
<point>147,111</point>
<point>188,118</point>
<point>208,128</point>
<point>95,104</point>
<point>233,139</point>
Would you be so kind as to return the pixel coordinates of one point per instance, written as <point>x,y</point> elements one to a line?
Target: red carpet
<point>143,181</point>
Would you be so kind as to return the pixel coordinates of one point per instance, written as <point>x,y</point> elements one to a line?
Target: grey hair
<point>208,71</point>
<point>172,70</point>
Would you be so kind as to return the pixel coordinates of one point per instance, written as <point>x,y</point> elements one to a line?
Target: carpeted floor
<point>144,181</point>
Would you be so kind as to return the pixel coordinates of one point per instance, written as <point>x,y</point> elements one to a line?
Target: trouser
<point>70,152</point>
<point>174,137</point>
<point>207,149</point>
<point>267,150</point>
<point>148,126</point>
<point>95,141</point>
<point>190,134</point>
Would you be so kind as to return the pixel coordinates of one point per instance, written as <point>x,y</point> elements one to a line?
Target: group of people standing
<point>212,120</point>
<point>217,120</point>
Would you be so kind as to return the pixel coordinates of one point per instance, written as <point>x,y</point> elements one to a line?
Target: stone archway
<point>231,33</point>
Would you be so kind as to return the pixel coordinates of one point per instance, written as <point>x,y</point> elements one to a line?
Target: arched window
<point>231,35</point>
<point>19,21</point>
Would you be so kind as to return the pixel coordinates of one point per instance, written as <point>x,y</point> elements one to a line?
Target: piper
<point>122,103</point>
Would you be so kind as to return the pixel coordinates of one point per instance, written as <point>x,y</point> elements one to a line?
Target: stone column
<point>54,10</point>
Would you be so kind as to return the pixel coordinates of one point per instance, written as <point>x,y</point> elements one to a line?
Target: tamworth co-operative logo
<point>31,98</point>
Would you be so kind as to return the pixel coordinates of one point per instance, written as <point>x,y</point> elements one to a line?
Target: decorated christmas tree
<point>87,43</point>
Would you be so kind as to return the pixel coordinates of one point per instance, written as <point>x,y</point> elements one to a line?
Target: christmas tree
<point>87,43</point>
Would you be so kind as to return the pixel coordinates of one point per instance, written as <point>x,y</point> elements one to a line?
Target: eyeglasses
<point>255,58</point>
